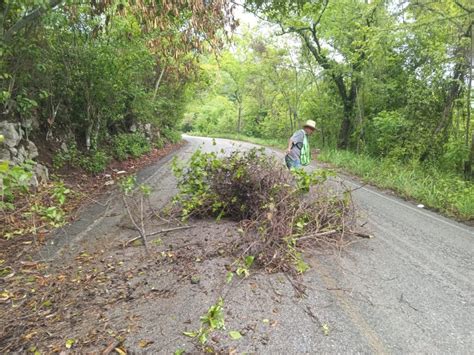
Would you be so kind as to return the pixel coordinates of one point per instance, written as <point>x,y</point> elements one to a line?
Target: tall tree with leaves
<point>336,35</point>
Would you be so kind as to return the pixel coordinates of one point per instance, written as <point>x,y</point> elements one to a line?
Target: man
<point>298,152</point>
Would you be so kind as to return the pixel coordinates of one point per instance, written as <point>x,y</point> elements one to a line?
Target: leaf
<point>70,343</point>
<point>144,343</point>
<point>49,303</point>
<point>229,277</point>
<point>249,261</point>
<point>191,334</point>
<point>203,337</point>
<point>325,329</point>
<point>3,166</point>
<point>120,351</point>
<point>5,295</point>
<point>235,335</point>
<point>179,352</point>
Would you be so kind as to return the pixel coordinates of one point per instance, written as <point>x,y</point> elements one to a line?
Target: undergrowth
<point>443,191</point>
<point>28,210</point>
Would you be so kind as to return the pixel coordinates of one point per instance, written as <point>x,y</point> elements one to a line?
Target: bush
<point>128,145</point>
<point>95,162</point>
<point>14,181</point>
<point>388,134</point>
<point>71,156</point>
<point>171,135</point>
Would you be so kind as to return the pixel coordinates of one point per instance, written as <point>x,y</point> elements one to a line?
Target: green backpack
<point>305,157</point>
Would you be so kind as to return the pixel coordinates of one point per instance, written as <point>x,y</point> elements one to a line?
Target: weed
<point>127,184</point>
<point>14,181</point>
<point>54,215</point>
<point>212,320</point>
<point>70,156</point>
<point>60,192</point>
<point>243,269</point>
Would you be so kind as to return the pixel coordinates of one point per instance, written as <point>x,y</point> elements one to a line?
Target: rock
<point>133,128</point>
<point>195,279</point>
<point>32,151</point>
<point>20,156</point>
<point>64,147</point>
<point>4,154</point>
<point>30,124</point>
<point>147,130</point>
<point>12,133</point>
<point>41,173</point>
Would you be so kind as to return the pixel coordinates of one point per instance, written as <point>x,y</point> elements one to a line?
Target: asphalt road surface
<point>407,290</point>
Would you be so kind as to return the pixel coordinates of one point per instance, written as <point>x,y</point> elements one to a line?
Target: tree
<point>336,35</point>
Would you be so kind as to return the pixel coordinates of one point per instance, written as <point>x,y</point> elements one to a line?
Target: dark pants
<point>292,163</point>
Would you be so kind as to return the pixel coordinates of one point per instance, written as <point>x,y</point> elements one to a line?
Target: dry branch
<point>275,214</point>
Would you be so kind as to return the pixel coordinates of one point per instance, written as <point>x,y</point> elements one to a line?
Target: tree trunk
<point>290,116</point>
<point>239,119</point>
<point>468,172</point>
<point>346,127</point>
<point>158,81</point>
<point>29,18</point>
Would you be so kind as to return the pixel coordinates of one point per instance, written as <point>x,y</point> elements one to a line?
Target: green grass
<point>446,192</point>
<point>443,191</point>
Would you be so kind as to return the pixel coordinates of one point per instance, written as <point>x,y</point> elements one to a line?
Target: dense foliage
<point>81,72</point>
<point>390,79</point>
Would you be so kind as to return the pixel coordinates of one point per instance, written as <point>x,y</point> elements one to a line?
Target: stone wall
<point>17,148</point>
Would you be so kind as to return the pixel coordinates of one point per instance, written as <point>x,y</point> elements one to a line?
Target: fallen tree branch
<point>140,231</point>
<point>169,230</point>
<point>155,233</point>
<point>317,235</point>
<point>363,235</point>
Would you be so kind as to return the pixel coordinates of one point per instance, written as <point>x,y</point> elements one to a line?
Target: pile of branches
<point>279,211</point>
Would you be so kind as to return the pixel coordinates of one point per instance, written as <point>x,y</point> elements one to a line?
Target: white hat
<point>310,124</point>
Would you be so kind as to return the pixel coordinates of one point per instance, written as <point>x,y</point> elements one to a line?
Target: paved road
<point>408,290</point>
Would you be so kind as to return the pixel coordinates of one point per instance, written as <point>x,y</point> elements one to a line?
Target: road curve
<point>410,289</point>
<point>407,290</point>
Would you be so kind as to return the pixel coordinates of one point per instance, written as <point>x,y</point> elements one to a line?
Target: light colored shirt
<point>297,138</point>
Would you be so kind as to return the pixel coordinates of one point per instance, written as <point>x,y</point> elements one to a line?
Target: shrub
<point>171,135</point>
<point>128,145</point>
<point>14,181</point>
<point>95,162</point>
<point>70,156</point>
<point>388,134</point>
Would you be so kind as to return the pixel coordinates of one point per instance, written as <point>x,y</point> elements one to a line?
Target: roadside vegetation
<point>389,85</point>
<point>85,85</point>
<point>435,188</point>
